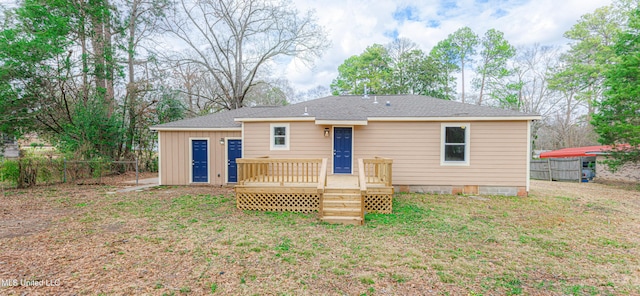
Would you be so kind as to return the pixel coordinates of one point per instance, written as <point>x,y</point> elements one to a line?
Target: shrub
<point>9,171</point>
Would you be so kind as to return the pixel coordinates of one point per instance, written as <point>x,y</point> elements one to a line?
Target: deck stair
<point>342,206</point>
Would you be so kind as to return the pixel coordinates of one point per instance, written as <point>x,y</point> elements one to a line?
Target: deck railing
<point>282,170</point>
<point>376,170</point>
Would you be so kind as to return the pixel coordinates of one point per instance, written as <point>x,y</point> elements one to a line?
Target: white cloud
<point>355,24</point>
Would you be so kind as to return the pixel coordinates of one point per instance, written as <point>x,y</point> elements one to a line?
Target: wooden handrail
<point>362,179</point>
<point>322,183</point>
<point>378,170</point>
<point>280,170</point>
<point>266,159</point>
<point>322,179</point>
<point>362,176</point>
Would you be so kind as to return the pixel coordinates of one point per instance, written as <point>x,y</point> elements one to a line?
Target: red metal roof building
<point>575,152</point>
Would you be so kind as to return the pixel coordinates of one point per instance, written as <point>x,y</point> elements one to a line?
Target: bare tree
<point>198,90</point>
<point>235,40</point>
<point>557,133</point>
<point>319,91</point>
<point>276,92</point>
<point>140,23</point>
<point>531,68</point>
<point>399,51</point>
<point>398,48</point>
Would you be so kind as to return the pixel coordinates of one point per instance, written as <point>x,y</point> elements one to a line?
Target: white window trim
<point>286,136</point>
<point>467,146</point>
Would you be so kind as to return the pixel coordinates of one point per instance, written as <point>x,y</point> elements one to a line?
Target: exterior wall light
<point>326,131</point>
<point>221,141</point>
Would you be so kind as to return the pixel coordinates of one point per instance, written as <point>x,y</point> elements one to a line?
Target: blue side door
<point>342,150</point>
<point>199,161</point>
<point>234,150</point>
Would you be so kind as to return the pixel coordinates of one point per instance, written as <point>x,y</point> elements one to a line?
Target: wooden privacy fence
<point>557,169</point>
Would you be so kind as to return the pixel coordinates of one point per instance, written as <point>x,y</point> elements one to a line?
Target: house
<point>434,145</point>
<point>9,147</point>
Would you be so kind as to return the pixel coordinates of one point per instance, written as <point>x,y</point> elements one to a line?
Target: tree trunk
<point>103,56</point>
<point>481,89</point>
<point>131,97</point>
<point>462,68</point>
<point>109,62</point>
<point>85,65</point>
<point>97,41</point>
<point>237,99</point>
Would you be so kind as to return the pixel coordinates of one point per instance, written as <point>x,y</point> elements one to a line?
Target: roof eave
<point>340,122</point>
<point>456,118</point>
<point>260,119</point>
<point>396,118</point>
<point>208,129</point>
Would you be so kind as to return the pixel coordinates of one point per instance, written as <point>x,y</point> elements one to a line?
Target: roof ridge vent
<point>388,103</point>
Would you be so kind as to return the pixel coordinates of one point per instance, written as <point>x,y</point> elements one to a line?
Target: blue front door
<point>199,161</point>
<point>234,150</point>
<point>342,150</point>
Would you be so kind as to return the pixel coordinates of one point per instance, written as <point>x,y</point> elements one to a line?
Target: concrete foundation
<point>467,189</point>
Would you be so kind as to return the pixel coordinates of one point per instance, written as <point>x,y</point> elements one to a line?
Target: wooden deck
<point>302,185</point>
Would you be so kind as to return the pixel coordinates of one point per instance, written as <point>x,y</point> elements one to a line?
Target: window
<point>280,136</point>
<point>455,144</point>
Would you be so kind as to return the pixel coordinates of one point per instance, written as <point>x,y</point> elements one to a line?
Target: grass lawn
<point>565,239</point>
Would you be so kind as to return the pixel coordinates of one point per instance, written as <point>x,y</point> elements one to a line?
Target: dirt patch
<point>117,179</point>
<point>623,198</point>
<point>21,227</point>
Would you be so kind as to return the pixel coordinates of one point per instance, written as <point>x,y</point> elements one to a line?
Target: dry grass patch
<point>564,239</point>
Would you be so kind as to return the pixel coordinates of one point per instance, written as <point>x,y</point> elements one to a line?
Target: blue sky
<point>355,24</point>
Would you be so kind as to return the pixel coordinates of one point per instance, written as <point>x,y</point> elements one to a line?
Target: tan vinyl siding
<point>307,140</point>
<point>498,155</point>
<point>174,159</point>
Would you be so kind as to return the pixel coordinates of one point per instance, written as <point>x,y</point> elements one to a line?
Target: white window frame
<point>467,146</point>
<point>287,132</point>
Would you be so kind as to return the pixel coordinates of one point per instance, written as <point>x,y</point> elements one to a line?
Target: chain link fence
<point>31,171</point>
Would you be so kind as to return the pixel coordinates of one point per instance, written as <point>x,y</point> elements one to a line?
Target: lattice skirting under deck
<point>304,202</point>
<point>378,203</point>
<point>278,202</point>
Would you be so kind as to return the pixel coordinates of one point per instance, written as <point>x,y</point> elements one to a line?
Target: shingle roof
<point>223,119</point>
<point>357,108</point>
<point>350,108</point>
